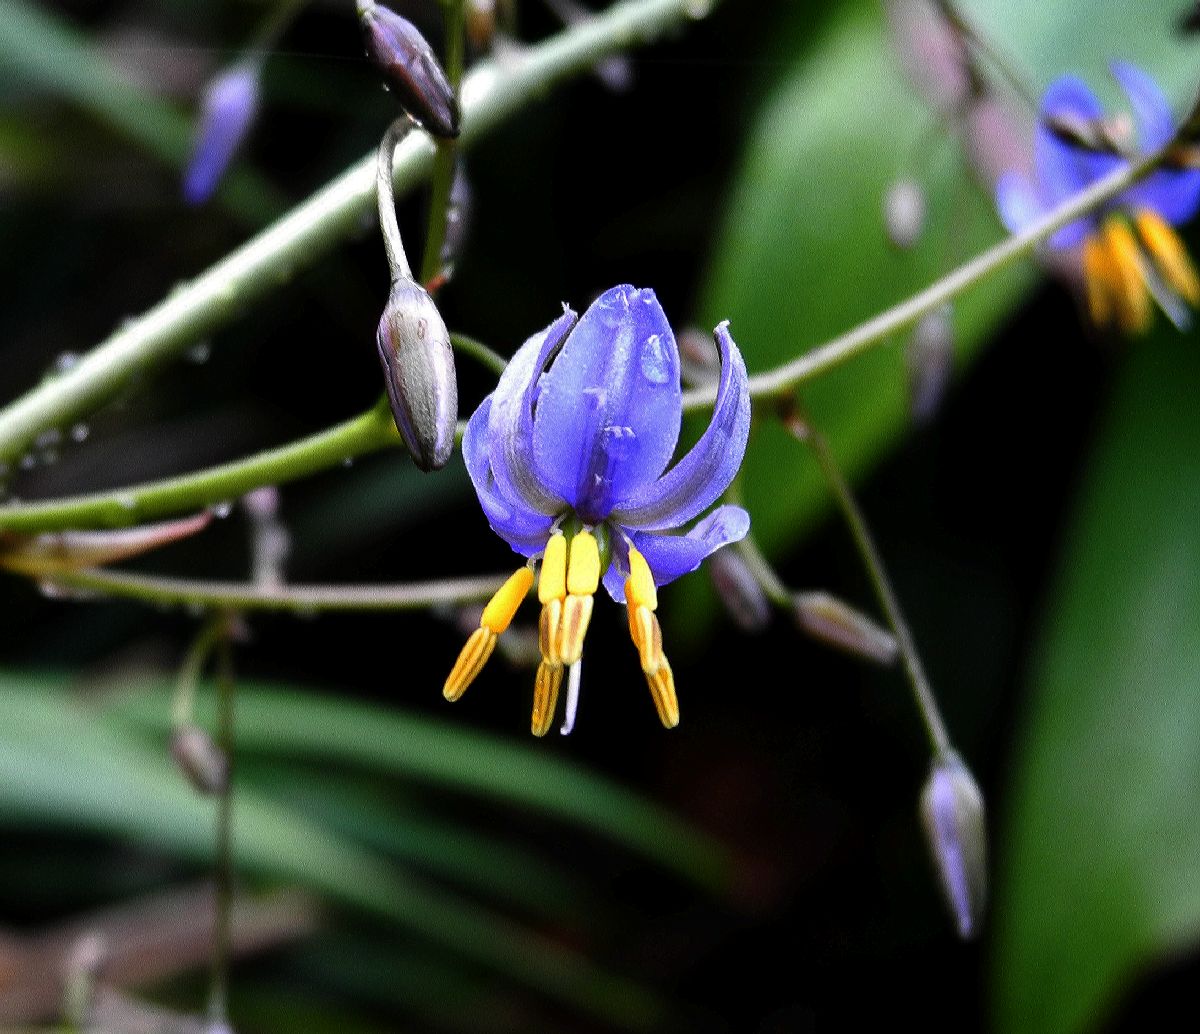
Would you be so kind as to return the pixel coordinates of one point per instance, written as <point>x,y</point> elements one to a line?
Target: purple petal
<point>510,429</point>
<point>1156,124</point>
<point>670,556</point>
<point>521,527</point>
<point>226,112</point>
<point>1017,202</point>
<point>1172,193</point>
<point>694,483</point>
<point>608,409</point>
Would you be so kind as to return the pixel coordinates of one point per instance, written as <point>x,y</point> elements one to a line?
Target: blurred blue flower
<point>1130,251</point>
<point>227,110</point>
<point>569,459</point>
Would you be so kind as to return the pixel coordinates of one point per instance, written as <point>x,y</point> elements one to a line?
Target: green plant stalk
<point>374,430</point>
<point>290,599</point>
<point>447,150</point>
<point>183,704</point>
<point>196,309</point>
<point>218,996</point>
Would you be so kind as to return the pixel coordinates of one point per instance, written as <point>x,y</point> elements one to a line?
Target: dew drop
<point>64,362</point>
<point>222,510</point>
<point>199,353</point>
<point>28,461</point>
<point>127,501</point>
<point>656,364</point>
<point>80,432</point>
<point>348,461</point>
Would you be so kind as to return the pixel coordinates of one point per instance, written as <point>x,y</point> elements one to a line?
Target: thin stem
<point>294,599</point>
<point>480,352</point>
<point>276,24</point>
<point>818,361</point>
<point>218,998</point>
<point>447,150</point>
<point>195,310</point>
<point>184,705</point>
<point>939,738</point>
<point>385,193</point>
<point>973,36</point>
<point>758,565</point>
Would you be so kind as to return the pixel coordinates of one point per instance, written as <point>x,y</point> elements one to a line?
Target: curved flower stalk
<point>1130,251</point>
<point>569,459</point>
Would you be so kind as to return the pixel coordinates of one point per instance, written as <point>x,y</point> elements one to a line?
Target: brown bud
<point>418,368</point>
<point>904,212</point>
<point>200,760</point>
<point>739,590</point>
<point>835,622</point>
<point>929,356</point>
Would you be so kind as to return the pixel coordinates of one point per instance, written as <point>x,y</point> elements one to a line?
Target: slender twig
<point>480,352</point>
<point>218,997</point>
<point>183,706</point>
<point>447,150</point>
<point>385,194</point>
<point>804,431</point>
<point>194,310</point>
<point>294,599</point>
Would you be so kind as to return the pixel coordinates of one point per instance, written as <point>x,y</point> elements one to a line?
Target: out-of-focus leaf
<point>1100,850</point>
<point>44,51</point>
<point>62,767</point>
<point>803,254</point>
<point>276,722</point>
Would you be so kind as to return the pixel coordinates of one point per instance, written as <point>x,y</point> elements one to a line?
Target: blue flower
<point>227,110</point>
<point>569,459</point>
<point>1129,248</point>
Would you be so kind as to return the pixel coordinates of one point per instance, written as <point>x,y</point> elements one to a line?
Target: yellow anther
<point>646,633</point>
<point>576,614</point>
<point>639,586</point>
<point>545,697</point>
<point>662,689</point>
<point>1169,254</point>
<point>549,631</point>
<point>552,583</point>
<point>501,608</point>
<point>1133,297</point>
<point>1098,279</point>
<point>470,663</point>
<point>583,572</point>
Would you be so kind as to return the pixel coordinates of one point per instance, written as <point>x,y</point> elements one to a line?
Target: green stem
<point>184,705</point>
<point>194,310</point>
<point>293,599</point>
<point>447,150</point>
<point>480,352</point>
<point>939,738</point>
<point>783,379</point>
<point>218,998</point>
<point>385,195</point>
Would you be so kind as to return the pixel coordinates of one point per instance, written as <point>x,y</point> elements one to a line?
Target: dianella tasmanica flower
<point>1130,251</point>
<point>569,459</point>
<point>227,110</point>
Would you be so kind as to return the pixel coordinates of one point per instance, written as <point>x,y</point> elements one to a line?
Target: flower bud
<point>227,110</point>
<point>458,219</point>
<point>929,356</point>
<point>739,590</point>
<point>410,68</point>
<point>836,623</point>
<point>481,22</point>
<point>418,368</point>
<point>904,212</point>
<point>953,813</point>
<point>200,760</point>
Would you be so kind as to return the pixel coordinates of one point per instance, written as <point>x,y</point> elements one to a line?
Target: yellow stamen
<point>470,663</point>
<point>552,583</point>
<point>1133,297</point>
<point>545,697</point>
<point>1098,278</point>
<point>549,631</point>
<point>583,574</point>
<point>1169,255</point>
<point>641,598</point>
<point>497,616</point>
<point>576,614</point>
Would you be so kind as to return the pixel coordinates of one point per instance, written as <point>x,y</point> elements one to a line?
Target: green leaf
<point>281,723</point>
<point>62,767</point>
<point>1100,844</point>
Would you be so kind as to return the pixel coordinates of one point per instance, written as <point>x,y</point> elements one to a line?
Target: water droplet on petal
<point>656,366</point>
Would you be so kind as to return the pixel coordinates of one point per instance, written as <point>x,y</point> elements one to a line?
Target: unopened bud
<point>481,22</point>
<point>418,368</point>
<point>904,212</point>
<point>929,356</point>
<point>953,813</point>
<point>739,590</point>
<point>227,111</point>
<point>836,623</point>
<point>200,760</point>
<point>410,68</point>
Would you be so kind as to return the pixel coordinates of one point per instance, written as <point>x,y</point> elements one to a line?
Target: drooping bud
<point>418,368</point>
<point>904,212</point>
<point>200,760</point>
<point>739,590</point>
<point>481,22</point>
<point>953,814</point>
<point>227,111</point>
<point>836,623</point>
<point>929,356</point>
<point>410,68</point>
